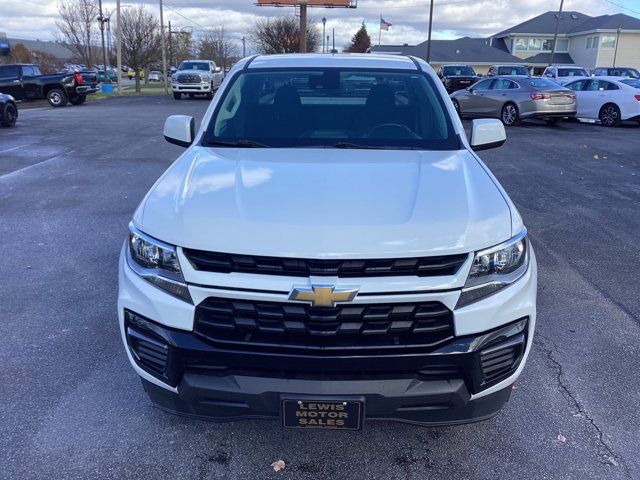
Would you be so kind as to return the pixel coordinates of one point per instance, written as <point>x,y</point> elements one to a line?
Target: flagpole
<point>380,30</point>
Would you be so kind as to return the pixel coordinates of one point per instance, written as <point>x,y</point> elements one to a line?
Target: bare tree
<point>140,40</point>
<point>182,45</point>
<point>21,54</point>
<point>216,45</point>
<point>76,27</point>
<point>282,35</point>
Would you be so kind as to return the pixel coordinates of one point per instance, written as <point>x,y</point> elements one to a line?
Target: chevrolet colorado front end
<point>329,250</point>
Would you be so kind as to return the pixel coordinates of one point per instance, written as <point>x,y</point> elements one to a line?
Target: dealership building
<point>590,42</point>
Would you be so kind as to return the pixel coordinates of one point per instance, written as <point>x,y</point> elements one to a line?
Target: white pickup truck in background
<point>196,77</point>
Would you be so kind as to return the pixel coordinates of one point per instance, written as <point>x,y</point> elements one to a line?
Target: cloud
<point>452,18</point>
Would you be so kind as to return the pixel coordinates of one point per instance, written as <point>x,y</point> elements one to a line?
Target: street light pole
<point>101,19</point>
<point>164,51</point>
<point>555,35</point>
<point>303,26</point>
<point>615,53</point>
<point>324,32</point>
<point>119,47</point>
<point>429,36</point>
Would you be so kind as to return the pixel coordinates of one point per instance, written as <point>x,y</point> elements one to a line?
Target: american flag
<point>384,25</point>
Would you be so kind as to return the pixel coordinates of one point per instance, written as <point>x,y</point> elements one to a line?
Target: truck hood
<point>319,203</point>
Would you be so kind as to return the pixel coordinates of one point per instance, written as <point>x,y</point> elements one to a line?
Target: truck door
<point>30,85</point>
<point>10,81</point>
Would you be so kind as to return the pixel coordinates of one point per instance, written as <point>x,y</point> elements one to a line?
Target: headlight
<point>495,268</point>
<point>174,78</point>
<point>206,79</point>
<point>156,262</point>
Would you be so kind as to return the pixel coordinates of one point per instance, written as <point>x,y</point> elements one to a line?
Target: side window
<point>27,71</point>
<point>610,86</point>
<point>483,85</point>
<point>502,84</point>
<point>36,70</point>
<point>577,86</point>
<point>492,71</point>
<point>9,71</point>
<point>592,86</point>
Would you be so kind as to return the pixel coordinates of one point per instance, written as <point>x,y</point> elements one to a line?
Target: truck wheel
<point>9,115</point>
<point>177,96</point>
<point>191,95</point>
<point>78,99</point>
<point>209,95</point>
<point>56,97</point>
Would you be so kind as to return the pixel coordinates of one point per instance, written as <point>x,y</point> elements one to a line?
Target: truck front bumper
<point>191,87</point>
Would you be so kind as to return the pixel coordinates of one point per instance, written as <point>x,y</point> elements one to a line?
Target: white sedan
<point>608,99</point>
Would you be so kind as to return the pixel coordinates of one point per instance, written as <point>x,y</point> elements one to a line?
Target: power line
<point>185,17</point>
<point>622,6</point>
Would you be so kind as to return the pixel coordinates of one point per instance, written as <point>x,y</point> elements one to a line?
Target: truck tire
<point>177,96</point>
<point>209,96</point>
<point>78,99</point>
<point>9,115</point>
<point>57,98</point>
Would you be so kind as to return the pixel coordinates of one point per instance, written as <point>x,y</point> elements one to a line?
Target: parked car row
<point>562,92</point>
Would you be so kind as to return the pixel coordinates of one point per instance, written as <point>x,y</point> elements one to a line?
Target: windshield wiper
<point>243,143</point>
<point>356,146</point>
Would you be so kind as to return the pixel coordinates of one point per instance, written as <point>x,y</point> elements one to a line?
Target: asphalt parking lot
<point>71,406</point>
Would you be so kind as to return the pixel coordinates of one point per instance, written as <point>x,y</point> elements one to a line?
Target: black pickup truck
<point>457,77</point>
<point>25,82</point>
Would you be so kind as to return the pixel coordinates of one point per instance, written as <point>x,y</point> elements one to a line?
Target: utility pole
<point>615,54</point>
<point>244,47</point>
<point>429,36</point>
<point>101,19</point>
<point>324,32</point>
<point>119,47</point>
<point>170,46</point>
<point>109,36</point>
<point>333,50</point>
<point>164,50</point>
<point>555,35</point>
<point>303,26</point>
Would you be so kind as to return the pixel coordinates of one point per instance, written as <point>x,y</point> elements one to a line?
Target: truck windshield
<point>194,66</point>
<point>459,70</point>
<point>515,70</point>
<point>625,72</point>
<point>572,72</point>
<point>339,108</point>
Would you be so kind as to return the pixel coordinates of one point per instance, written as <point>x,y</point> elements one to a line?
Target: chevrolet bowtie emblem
<point>323,295</point>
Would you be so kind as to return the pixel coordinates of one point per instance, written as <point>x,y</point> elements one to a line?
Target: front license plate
<point>331,414</point>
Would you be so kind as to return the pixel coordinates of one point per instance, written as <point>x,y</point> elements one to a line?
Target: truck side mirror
<point>217,69</point>
<point>487,133</point>
<point>180,130</point>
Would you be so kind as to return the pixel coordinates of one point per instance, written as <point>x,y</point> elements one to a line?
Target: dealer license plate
<point>330,414</point>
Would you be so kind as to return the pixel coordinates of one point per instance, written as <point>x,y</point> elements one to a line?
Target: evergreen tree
<point>361,41</point>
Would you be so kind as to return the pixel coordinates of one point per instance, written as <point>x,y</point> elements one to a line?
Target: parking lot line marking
<point>15,148</point>
<point>16,172</point>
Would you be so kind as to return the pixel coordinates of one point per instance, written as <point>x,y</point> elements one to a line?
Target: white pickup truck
<point>196,77</point>
<point>329,250</point>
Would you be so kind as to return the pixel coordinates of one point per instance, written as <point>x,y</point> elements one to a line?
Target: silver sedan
<point>512,99</point>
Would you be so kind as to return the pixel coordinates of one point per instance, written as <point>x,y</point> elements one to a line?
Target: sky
<point>35,19</point>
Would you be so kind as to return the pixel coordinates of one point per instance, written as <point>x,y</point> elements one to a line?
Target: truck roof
<point>354,60</point>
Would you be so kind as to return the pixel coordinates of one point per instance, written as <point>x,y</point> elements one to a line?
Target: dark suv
<point>25,82</point>
<point>457,77</point>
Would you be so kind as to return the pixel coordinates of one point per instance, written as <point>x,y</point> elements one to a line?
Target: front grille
<point>501,360</point>
<point>189,78</point>
<point>344,329</point>
<point>297,267</point>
